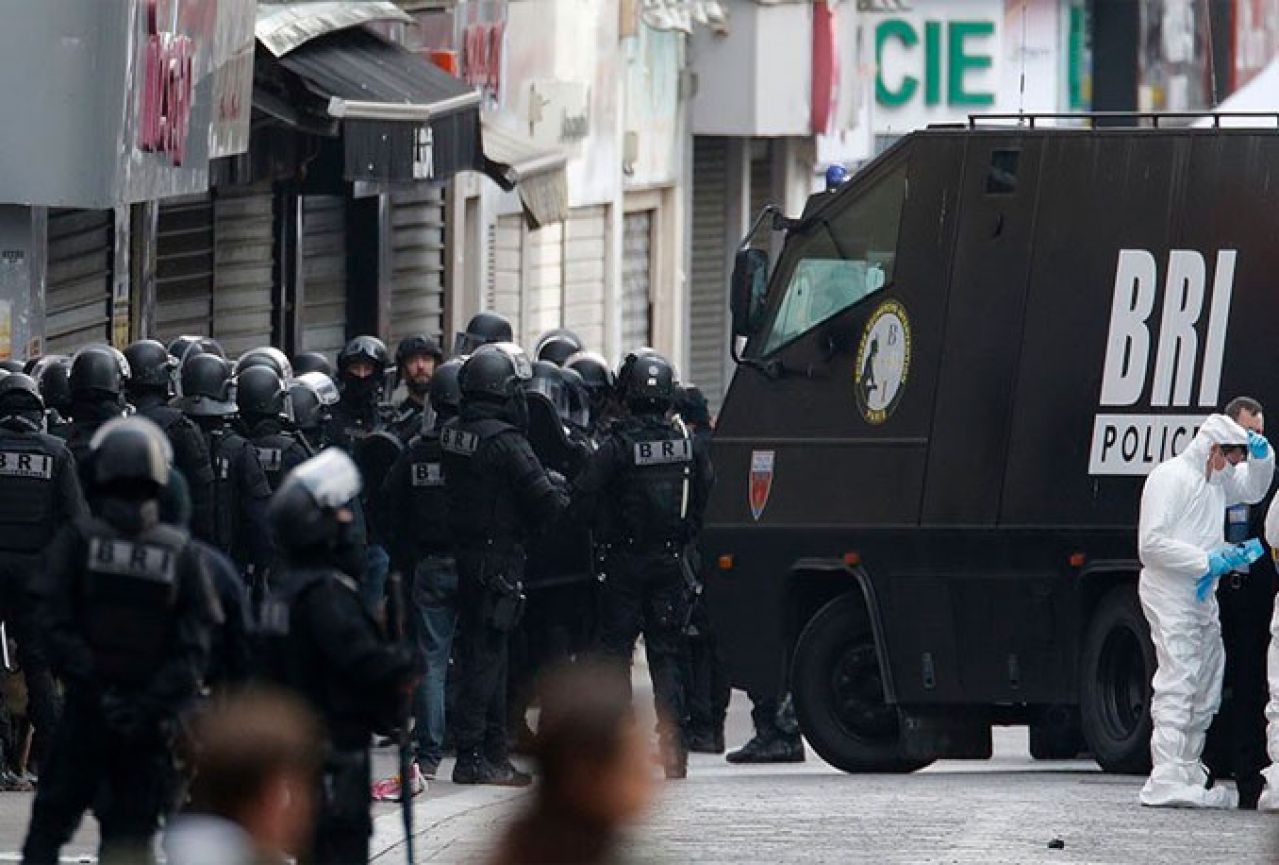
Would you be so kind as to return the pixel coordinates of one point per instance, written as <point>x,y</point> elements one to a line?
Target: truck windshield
<point>840,259</point>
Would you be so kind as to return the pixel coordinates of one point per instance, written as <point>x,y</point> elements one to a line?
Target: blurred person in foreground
<point>596,775</point>
<point>256,759</point>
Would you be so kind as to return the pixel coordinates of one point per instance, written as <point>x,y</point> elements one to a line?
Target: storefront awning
<point>515,162</point>
<point>400,117</point>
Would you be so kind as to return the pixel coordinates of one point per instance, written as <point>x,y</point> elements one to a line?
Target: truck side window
<point>837,261</point>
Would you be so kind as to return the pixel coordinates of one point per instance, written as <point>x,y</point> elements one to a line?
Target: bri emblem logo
<point>761,481</point>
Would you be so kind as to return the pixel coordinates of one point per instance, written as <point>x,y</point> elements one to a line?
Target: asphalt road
<point>1005,810</point>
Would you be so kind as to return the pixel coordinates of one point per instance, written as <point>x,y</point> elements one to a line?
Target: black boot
<point>470,767</point>
<point>772,749</point>
<point>705,742</point>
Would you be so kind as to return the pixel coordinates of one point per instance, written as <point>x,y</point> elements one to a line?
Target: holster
<point>504,597</point>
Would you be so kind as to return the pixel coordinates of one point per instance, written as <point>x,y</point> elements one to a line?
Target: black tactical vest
<point>428,501</point>
<point>279,453</point>
<point>482,508</point>
<point>654,487</point>
<point>28,492</point>
<point>129,589</point>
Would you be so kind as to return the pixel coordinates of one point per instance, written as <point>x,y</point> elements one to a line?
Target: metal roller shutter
<point>77,305</point>
<point>505,266</point>
<point>243,299</point>
<point>708,295</point>
<point>543,282</point>
<point>585,258</point>
<point>417,270</point>
<point>323,274</point>
<point>637,266</point>
<point>184,267</point>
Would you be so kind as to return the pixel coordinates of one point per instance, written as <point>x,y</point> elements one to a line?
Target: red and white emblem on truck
<point>761,481</point>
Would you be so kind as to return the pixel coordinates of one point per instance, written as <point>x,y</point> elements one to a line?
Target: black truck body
<point>930,458</point>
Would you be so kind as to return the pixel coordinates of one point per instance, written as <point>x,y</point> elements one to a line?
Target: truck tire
<point>1118,664</point>
<point>839,695</point>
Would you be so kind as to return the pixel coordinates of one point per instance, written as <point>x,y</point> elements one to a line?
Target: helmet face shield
<point>331,478</point>
<point>325,390</point>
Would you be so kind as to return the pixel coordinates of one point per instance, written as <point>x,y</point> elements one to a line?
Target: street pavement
<point>1004,810</point>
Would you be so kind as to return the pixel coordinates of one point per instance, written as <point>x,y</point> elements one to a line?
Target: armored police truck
<point>950,386</point>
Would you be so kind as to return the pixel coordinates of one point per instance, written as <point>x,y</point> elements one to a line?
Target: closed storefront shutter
<point>417,268</point>
<point>243,299</point>
<point>78,279</point>
<point>323,274</point>
<point>505,265</point>
<point>544,282</point>
<point>184,267</point>
<point>708,302</point>
<point>585,257</point>
<point>637,265</point>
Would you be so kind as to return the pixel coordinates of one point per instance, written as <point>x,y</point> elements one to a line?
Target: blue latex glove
<point>1258,446</point>
<point>1220,562</point>
<point>1251,549</point>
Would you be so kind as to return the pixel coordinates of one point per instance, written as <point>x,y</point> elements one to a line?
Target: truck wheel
<point>1118,664</point>
<point>839,694</point>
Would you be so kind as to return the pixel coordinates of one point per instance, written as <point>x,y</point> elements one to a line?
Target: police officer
<point>416,359</point>
<point>498,495</point>
<point>600,384</point>
<point>312,396</point>
<point>331,650</point>
<point>421,545</point>
<point>51,374</point>
<point>484,328</point>
<point>267,356</point>
<point>39,491</point>
<point>646,486</point>
<point>149,389</point>
<point>362,366</point>
<point>708,690</point>
<point>97,379</point>
<point>127,612</point>
<point>263,402</point>
<point>240,488</point>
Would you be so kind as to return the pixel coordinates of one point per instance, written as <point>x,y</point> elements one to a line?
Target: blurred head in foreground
<point>255,760</point>
<point>596,775</point>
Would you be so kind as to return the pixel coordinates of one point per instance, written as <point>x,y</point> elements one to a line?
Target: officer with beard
<point>39,491</point>
<point>98,376</point>
<point>422,546</point>
<point>263,401</point>
<point>329,645</point>
<point>149,389</point>
<point>644,489</point>
<point>498,495</point>
<point>416,359</point>
<point>240,490</point>
<point>127,613</point>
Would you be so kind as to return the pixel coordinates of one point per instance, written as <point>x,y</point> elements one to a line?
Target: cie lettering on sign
<point>1134,443</point>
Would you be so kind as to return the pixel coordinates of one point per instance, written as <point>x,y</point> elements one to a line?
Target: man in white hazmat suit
<point>1182,546</point>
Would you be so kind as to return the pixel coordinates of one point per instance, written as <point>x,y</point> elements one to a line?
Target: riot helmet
<point>310,512</point>
<point>187,345</point>
<point>312,361</point>
<point>558,346</point>
<point>207,387</point>
<point>548,383</point>
<point>623,368</point>
<point>363,350</point>
<point>151,366</point>
<point>260,394</point>
<point>52,374</point>
<point>649,385</point>
<point>312,396</point>
<point>20,399</point>
<point>129,457</point>
<point>446,390</point>
<point>483,328</point>
<point>269,357</point>
<point>97,372</point>
<point>496,372</point>
<point>579,398</point>
<point>596,376</point>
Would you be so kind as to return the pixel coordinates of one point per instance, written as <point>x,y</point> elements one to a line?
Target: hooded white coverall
<point>1270,795</point>
<point>1182,517</point>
